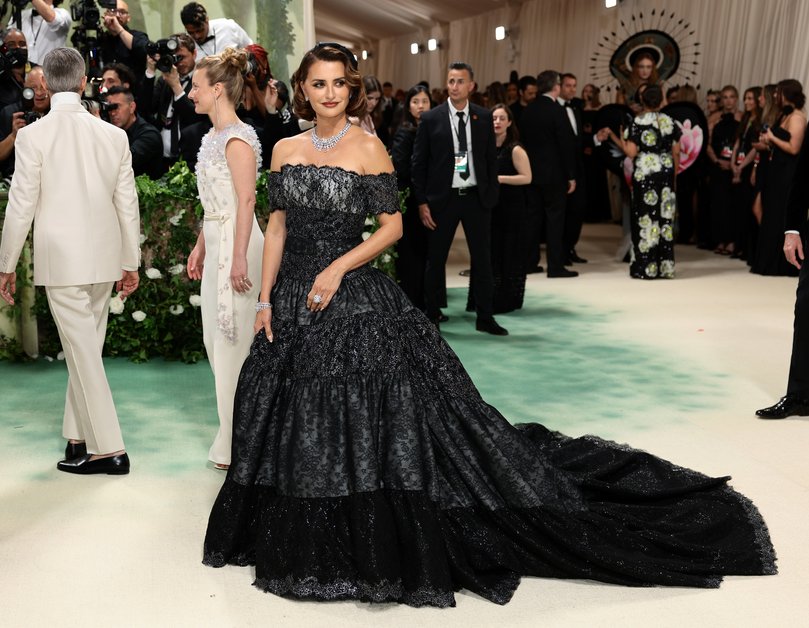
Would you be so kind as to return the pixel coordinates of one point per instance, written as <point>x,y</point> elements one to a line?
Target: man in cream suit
<point>74,181</point>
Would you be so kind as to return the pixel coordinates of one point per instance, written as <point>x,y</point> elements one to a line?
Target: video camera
<point>94,99</point>
<point>87,15</point>
<point>167,49</point>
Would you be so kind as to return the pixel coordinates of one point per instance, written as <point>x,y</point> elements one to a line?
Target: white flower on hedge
<point>369,222</point>
<point>386,259</point>
<point>60,355</point>
<point>176,269</point>
<point>116,304</point>
<point>176,309</point>
<point>153,273</point>
<point>139,316</point>
<point>142,238</point>
<point>366,235</point>
<point>175,219</point>
<point>195,300</point>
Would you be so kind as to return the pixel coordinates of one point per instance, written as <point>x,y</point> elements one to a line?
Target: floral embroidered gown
<point>366,465</point>
<point>653,199</point>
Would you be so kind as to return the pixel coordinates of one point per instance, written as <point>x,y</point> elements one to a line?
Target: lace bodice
<point>214,182</point>
<point>326,209</point>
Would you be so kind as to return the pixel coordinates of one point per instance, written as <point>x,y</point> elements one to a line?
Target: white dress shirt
<point>571,115</point>
<point>222,33</point>
<point>41,36</point>
<point>457,181</point>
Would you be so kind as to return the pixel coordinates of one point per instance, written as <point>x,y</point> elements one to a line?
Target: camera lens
<point>28,94</point>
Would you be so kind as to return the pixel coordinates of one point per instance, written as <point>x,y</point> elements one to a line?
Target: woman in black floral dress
<point>366,465</point>
<point>652,142</point>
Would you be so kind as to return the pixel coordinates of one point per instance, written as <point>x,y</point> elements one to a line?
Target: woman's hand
<point>271,96</point>
<point>195,261</point>
<point>324,288</point>
<point>239,280</point>
<point>264,321</point>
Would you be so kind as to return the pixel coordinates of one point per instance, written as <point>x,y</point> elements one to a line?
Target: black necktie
<point>462,143</point>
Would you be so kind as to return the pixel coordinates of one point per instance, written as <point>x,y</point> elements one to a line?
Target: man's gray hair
<point>64,70</point>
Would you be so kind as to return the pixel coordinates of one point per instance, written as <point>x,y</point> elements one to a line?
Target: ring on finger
<point>317,299</point>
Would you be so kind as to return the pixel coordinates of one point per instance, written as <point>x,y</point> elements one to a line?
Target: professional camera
<point>12,58</point>
<point>87,15</point>
<point>29,115</point>
<point>167,49</point>
<point>254,67</point>
<point>19,4</point>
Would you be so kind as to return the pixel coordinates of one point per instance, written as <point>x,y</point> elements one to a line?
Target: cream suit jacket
<point>73,179</point>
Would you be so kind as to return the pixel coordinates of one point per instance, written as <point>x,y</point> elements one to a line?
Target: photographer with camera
<point>34,103</point>
<point>45,27</point>
<point>120,44</point>
<point>212,36</point>
<point>144,139</point>
<point>13,61</point>
<point>164,101</point>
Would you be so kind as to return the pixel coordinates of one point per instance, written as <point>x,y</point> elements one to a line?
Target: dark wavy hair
<point>356,102</point>
<point>751,118</point>
<point>792,91</point>
<point>512,134</point>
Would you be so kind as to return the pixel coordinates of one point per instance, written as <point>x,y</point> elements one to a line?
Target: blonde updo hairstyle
<point>227,67</point>
<point>324,52</point>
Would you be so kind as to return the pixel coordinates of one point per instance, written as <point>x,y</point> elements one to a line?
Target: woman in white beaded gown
<point>230,238</point>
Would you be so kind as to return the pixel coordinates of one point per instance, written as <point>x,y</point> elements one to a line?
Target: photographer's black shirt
<point>113,50</point>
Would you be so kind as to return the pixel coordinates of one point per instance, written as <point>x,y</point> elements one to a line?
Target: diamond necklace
<point>324,144</point>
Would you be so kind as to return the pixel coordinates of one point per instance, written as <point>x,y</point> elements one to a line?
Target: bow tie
<point>568,104</point>
<point>207,39</point>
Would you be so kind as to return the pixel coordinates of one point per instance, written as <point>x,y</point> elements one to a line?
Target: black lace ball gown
<point>365,464</point>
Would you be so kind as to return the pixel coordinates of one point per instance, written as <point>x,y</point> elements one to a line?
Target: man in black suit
<point>796,244</point>
<point>548,139</point>
<point>164,101</point>
<point>454,174</point>
<point>574,212</point>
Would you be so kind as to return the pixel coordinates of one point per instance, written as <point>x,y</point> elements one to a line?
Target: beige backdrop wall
<point>744,42</point>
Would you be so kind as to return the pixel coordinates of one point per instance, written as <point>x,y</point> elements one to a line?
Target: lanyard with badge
<point>462,154</point>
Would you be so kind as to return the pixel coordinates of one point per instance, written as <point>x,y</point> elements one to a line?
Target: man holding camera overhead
<point>212,36</point>
<point>164,101</point>
<point>34,103</point>
<point>45,27</point>
<point>120,44</point>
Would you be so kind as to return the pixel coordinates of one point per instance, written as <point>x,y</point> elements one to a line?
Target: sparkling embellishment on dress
<point>324,144</point>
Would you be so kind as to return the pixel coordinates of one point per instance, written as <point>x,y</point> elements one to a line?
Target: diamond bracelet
<point>261,305</point>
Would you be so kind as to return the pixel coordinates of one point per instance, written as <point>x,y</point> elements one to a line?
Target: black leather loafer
<point>114,465</point>
<point>575,258</point>
<point>788,405</point>
<point>75,450</point>
<point>490,326</point>
<point>562,273</point>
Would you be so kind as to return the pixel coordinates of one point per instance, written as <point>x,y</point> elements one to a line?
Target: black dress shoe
<point>573,257</point>
<point>490,326</point>
<point>789,405</point>
<point>564,272</point>
<point>75,450</point>
<point>114,465</point>
<point>537,269</point>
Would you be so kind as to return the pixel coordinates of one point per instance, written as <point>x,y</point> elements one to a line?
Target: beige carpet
<point>107,551</point>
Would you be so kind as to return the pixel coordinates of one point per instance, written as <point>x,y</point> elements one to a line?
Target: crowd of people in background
<point>731,201</point>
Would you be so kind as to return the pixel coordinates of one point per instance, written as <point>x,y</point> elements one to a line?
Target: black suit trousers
<point>798,383</point>
<point>476,221</point>
<point>553,202</point>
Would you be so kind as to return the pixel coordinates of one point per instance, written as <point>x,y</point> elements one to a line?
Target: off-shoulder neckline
<point>327,166</point>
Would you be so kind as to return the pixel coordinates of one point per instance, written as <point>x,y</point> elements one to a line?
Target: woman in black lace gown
<point>784,140</point>
<point>365,463</point>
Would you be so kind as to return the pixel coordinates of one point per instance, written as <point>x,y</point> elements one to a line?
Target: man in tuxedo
<point>527,90</point>
<point>796,245</point>
<point>454,174</point>
<point>546,133</point>
<point>74,181</point>
<point>164,102</point>
<point>574,212</point>
<point>144,139</point>
<point>212,36</point>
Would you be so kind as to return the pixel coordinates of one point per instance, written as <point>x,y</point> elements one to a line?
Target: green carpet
<point>564,364</point>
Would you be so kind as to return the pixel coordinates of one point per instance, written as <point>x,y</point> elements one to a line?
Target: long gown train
<point>365,464</point>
